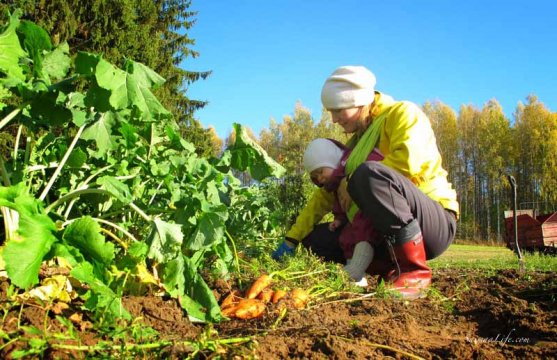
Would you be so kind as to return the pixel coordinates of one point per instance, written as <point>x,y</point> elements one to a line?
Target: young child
<point>325,160</point>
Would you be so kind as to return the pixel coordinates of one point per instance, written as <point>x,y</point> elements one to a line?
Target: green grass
<point>491,258</point>
<point>304,270</point>
<point>327,280</point>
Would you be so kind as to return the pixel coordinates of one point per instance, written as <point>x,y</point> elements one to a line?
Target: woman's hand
<point>343,197</point>
<point>286,248</point>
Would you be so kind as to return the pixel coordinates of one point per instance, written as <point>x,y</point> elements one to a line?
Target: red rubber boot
<point>413,276</point>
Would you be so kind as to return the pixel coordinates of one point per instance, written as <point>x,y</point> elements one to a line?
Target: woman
<point>406,195</point>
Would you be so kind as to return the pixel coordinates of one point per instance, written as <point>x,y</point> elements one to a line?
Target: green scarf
<point>361,151</point>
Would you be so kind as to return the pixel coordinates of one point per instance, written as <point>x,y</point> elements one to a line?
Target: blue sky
<point>267,55</point>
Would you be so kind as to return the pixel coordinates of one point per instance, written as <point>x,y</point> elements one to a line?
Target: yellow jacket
<point>408,143</point>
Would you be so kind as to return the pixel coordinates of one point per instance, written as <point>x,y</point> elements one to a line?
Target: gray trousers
<point>393,201</point>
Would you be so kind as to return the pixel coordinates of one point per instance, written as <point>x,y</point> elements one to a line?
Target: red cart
<point>535,232</point>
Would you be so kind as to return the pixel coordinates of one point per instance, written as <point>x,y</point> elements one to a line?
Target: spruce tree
<point>153,32</point>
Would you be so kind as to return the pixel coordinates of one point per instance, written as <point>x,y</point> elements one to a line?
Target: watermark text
<point>509,338</point>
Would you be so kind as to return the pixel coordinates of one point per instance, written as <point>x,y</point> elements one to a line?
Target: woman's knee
<point>370,175</point>
<point>442,237</point>
<point>369,185</point>
<point>435,249</point>
<point>361,183</point>
<point>367,171</point>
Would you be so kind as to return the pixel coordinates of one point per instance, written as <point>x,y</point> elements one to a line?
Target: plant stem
<point>9,342</point>
<point>117,227</point>
<point>84,186</point>
<point>62,163</point>
<point>28,148</point>
<point>11,221</point>
<point>359,298</point>
<point>10,216</point>
<point>128,347</point>
<point>281,316</point>
<point>33,168</point>
<point>95,174</point>
<point>151,140</point>
<point>9,117</point>
<point>233,249</point>
<point>303,274</point>
<point>16,145</point>
<point>80,192</point>
<point>74,194</point>
<point>115,238</point>
<point>155,193</point>
<point>140,212</point>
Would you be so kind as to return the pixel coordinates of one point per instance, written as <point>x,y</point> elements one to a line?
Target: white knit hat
<point>322,153</point>
<point>348,87</point>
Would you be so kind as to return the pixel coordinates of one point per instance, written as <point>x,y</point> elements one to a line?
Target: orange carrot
<point>265,295</point>
<point>258,285</point>
<point>249,309</point>
<point>299,298</point>
<point>231,299</point>
<point>277,295</point>
<point>229,311</point>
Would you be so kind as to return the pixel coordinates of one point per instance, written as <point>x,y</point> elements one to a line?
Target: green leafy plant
<point>97,157</point>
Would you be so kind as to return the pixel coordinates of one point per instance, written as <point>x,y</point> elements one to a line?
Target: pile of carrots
<point>256,298</point>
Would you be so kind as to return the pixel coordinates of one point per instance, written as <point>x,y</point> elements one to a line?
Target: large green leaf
<point>47,109</point>
<point>116,188</point>
<point>159,168</point>
<point>11,50</point>
<point>143,75</point>
<point>176,139</point>
<point>246,154</point>
<point>182,281</point>
<point>224,262</point>
<point>103,296</point>
<point>212,192</point>
<point>209,231</point>
<point>84,233</point>
<point>35,41</point>
<point>129,133</point>
<point>77,158</point>
<point>101,132</point>
<point>174,281</point>
<point>57,62</point>
<point>165,241</point>
<point>24,254</point>
<point>198,290</point>
<point>113,79</point>
<point>128,89</point>
<point>71,254</point>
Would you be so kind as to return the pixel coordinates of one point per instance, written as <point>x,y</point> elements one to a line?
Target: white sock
<point>362,282</point>
<point>362,257</point>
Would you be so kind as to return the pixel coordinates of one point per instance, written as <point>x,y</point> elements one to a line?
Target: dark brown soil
<point>467,316</point>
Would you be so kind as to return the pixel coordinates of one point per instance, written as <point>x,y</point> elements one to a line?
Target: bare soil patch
<point>468,315</point>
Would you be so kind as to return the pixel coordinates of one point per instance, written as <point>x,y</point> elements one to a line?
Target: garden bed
<point>467,315</point>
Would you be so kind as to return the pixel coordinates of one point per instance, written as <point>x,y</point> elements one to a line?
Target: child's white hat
<point>322,153</point>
